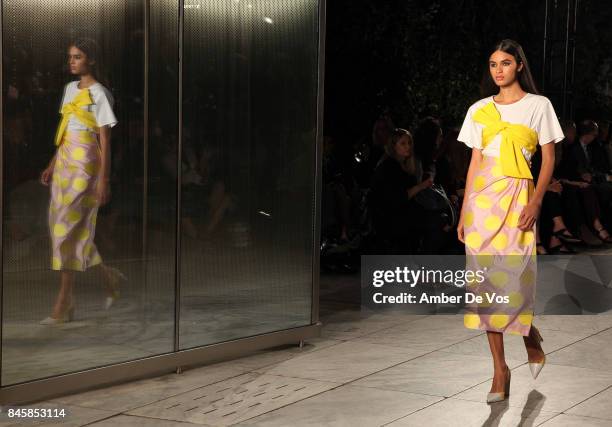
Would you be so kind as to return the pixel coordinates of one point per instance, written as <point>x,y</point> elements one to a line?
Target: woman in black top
<point>396,180</point>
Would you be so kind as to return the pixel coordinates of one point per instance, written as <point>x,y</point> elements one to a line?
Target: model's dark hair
<point>90,48</point>
<point>586,127</point>
<point>525,78</point>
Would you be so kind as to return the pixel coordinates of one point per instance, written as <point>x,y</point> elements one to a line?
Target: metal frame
<point>316,256</point>
<point>553,37</point>
<point>173,362</point>
<point>179,179</point>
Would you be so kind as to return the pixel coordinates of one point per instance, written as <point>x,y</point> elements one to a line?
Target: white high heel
<point>501,395</point>
<point>67,316</point>
<point>536,367</point>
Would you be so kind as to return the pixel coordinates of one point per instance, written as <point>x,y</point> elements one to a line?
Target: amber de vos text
<point>405,276</point>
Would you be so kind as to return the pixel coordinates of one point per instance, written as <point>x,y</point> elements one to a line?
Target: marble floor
<point>372,369</point>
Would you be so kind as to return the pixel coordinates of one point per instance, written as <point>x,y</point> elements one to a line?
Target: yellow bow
<point>514,137</point>
<point>81,99</point>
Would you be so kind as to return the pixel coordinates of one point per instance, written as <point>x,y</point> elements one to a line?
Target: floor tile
<point>234,400</point>
<point>454,412</point>
<point>592,352</point>
<point>343,362</point>
<point>563,420</point>
<point>598,406</point>
<point>345,406</point>
<point>438,374</point>
<point>556,389</point>
<point>123,397</point>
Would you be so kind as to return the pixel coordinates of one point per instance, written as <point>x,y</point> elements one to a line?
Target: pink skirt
<point>504,255</point>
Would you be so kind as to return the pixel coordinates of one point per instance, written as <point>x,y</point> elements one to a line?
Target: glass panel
<point>249,115</point>
<point>120,246</point>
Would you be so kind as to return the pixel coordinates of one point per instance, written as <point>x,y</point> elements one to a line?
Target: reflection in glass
<point>248,150</point>
<point>54,234</point>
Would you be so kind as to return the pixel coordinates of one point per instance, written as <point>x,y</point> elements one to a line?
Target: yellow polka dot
<point>73,216</point>
<point>499,320</point>
<point>500,241</point>
<point>527,277</point>
<point>56,263</point>
<point>516,299</point>
<point>56,177</point>
<point>485,302</point>
<point>471,320</point>
<point>473,240</point>
<point>498,279</point>
<point>87,249</point>
<point>525,238</point>
<point>505,201</point>
<point>59,198</point>
<point>496,171</point>
<point>64,183</point>
<point>68,199</point>
<point>483,202</point>
<point>94,219</point>
<point>75,264</point>
<point>479,183</point>
<point>59,166</point>
<point>59,230</point>
<point>96,259</point>
<point>513,219</point>
<point>83,234</point>
<point>79,184</point>
<point>500,185</point>
<point>468,219</point>
<point>492,222</point>
<point>522,197</point>
<point>484,260</point>
<point>525,318</point>
<point>514,259</point>
<point>78,153</point>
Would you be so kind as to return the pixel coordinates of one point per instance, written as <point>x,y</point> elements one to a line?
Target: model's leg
<point>64,297</point>
<point>496,343</point>
<point>534,349</point>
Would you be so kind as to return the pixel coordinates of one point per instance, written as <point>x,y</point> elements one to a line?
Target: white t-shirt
<point>533,111</point>
<point>102,108</point>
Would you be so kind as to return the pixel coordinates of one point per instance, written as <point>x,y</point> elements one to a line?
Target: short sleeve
<point>63,101</point>
<point>104,108</point>
<point>471,132</point>
<point>548,127</point>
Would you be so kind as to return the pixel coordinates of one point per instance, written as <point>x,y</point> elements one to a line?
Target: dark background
<point>413,58</point>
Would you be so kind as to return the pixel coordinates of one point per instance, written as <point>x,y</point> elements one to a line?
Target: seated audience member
<point>588,163</point>
<point>581,209</point>
<point>396,180</point>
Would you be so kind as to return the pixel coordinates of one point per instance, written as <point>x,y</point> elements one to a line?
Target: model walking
<point>501,206</point>
<point>79,176</point>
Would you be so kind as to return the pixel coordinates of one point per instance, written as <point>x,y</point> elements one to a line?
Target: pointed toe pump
<point>501,395</point>
<point>536,367</point>
<point>67,316</point>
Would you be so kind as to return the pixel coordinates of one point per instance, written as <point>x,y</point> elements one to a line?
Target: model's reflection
<point>79,173</point>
